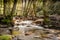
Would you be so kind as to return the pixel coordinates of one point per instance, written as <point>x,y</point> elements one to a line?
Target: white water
<point>26,25</point>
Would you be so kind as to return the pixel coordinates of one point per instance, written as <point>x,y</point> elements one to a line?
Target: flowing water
<point>25,26</point>
<point>34,32</point>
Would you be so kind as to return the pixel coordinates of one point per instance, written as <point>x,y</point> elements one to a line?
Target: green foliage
<point>5,37</point>
<point>47,20</point>
<point>7,19</point>
<point>56,8</point>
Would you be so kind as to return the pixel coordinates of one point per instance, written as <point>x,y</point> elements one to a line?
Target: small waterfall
<point>26,25</point>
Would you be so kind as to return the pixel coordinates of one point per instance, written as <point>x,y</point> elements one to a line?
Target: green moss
<point>5,37</point>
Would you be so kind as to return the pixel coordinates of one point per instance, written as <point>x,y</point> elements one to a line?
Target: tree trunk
<point>12,12</point>
<point>14,7</point>
<point>29,7</point>
<point>4,12</point>
<point>34,8</point>
<point>46,15</point>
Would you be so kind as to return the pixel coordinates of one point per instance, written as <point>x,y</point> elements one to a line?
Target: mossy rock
<point>5,37</point>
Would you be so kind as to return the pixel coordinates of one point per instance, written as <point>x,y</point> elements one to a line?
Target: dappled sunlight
<point>29,19</point>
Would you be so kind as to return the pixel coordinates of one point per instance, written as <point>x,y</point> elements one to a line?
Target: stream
<point>31,31</point>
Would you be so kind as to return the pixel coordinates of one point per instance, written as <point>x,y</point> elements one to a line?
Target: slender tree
<point>46,4</point>
<point>34,7</point>
<point>14,7</point>
<point>12,12</point>
<point>5,2</point>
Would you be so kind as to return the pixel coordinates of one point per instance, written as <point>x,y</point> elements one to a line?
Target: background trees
<point>34,8</point>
